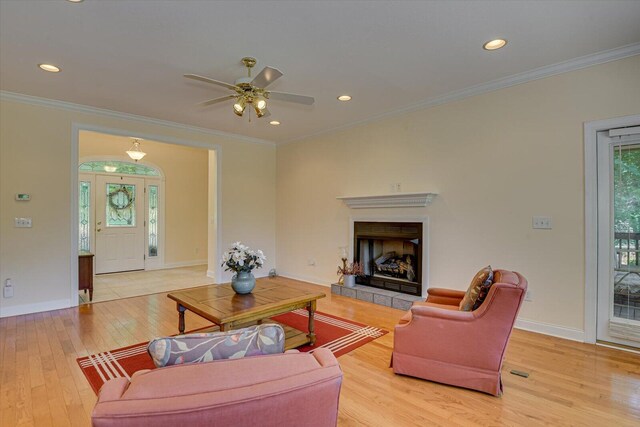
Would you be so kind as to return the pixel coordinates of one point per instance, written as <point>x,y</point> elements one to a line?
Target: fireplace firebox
<point>390,254</point>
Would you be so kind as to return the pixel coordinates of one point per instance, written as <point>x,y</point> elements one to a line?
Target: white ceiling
<point>129,56</point>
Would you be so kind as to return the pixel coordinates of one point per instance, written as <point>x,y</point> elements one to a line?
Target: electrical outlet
<point>529,295</point>
<point>542,222</point>
<point>7,291</point>
<point>395,187</point>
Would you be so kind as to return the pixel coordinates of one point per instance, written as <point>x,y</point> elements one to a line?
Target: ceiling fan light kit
<point>259,112</point>
<point>251,91</point>
<point>239,106</point>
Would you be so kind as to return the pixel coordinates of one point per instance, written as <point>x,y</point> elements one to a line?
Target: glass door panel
<point>618,318</point>
<point>626,229</point>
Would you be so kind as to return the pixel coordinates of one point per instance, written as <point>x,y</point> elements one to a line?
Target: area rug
<point>335,333</point>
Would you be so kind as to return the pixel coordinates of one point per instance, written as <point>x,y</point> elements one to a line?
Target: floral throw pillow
<point>481,283</point>
<point>193,348</point>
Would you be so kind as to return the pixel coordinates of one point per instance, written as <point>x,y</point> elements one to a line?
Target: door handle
<point>99,230</point>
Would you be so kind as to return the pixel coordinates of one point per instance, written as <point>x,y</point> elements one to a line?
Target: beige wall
<point>185,185</point>
<point>495,159</point>
<point>35,158</point>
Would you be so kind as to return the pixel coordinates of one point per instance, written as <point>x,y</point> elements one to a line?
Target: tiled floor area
<point>107,287</point>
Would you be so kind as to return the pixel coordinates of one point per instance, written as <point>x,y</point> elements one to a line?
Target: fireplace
<point>390,254</point>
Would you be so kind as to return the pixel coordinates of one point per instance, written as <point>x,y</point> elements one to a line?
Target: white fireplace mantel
<point>396,200</point>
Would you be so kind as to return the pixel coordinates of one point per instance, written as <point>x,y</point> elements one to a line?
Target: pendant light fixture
<point>135,152</point>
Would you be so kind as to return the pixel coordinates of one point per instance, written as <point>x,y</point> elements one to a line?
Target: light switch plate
<point>22,222</point>
<point>542,222</point>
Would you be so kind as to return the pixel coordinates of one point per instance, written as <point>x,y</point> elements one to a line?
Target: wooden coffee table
<point>222,306</point>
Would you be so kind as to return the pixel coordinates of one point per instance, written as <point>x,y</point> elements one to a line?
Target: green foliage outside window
<point>626,166</point>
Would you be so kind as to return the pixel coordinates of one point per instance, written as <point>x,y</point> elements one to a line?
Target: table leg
<point>181,311</point>
<point>311,308</point>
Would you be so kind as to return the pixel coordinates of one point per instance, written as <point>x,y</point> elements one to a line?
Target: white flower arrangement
<point>240,258</point>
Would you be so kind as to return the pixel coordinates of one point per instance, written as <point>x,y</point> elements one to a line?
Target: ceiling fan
<point>251,91</point>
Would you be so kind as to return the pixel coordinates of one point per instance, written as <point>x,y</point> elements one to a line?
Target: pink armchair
<point>437,342</point>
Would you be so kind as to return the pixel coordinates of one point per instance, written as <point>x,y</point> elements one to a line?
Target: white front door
<point>618,318</point>
<point>120,242</point>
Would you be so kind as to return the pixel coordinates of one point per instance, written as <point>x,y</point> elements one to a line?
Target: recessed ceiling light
<point>75,1</point>
<point>50,68</point>
<point>274,122</point>
<point>494,44</point>
<point>344,98</point>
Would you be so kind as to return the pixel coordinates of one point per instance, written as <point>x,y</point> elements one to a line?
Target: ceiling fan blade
<point>208,80</point>
<point>265,77</point>
<point>291,97</point>
<point>216,100</point>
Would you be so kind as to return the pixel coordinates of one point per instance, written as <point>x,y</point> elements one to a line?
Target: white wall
<point>35,158</point>
<point>495,159</point>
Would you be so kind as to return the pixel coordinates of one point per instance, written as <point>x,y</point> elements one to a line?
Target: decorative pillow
<point>484,291</point>
<point>193,348</point>
<point>483,278</point>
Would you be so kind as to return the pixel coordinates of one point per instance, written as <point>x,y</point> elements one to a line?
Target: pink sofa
<point>437,342</point>
<point>289,389</point>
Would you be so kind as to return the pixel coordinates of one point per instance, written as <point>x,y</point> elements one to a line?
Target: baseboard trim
<point>19,310</point>
<point>552,330</point>
<point>183,264</point>
<point>310,279</point>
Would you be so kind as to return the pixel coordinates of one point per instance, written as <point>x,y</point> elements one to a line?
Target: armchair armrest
<point>445,296</point>
<point>439,313</point>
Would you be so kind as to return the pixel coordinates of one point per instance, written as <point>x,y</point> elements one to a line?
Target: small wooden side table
<point>85,273</point>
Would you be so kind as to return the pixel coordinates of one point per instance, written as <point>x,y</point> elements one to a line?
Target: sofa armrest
<point>113,389</point>
<point>325,357</point>
<point>445,296</point>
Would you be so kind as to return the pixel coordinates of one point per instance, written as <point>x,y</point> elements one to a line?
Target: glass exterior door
<point>151,216</point>
<point>120,237</point>
<point>619,237</point>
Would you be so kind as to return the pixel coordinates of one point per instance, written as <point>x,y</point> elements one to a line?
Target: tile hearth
<point>377,296</point>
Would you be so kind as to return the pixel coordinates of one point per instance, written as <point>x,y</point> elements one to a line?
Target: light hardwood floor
<point>107,287</point>
<point>570,383</point>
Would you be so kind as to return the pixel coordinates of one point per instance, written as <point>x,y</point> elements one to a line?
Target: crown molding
<point>513,80</point>
<point>79,108</point>
<point>398,200</point>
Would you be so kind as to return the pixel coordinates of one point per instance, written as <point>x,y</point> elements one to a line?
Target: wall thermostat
<point>23,197</point>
